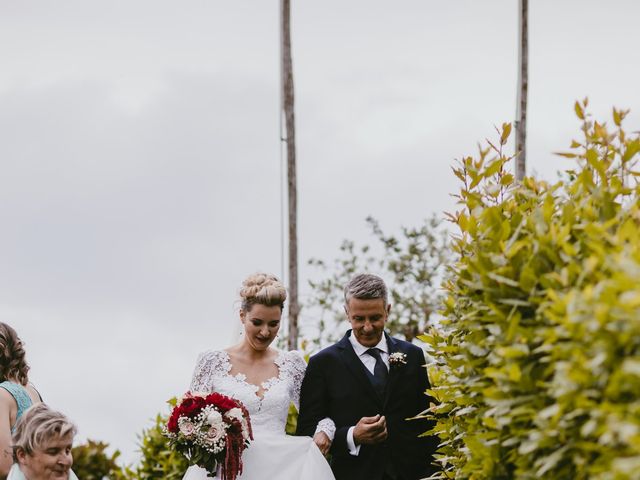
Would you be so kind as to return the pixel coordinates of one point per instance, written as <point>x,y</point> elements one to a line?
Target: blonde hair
<point>37,426</point>
<point>12,356</point>
<point>264,289</point>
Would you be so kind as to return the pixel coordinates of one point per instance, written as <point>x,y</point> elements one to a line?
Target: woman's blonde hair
<point>13,365</point>
<point>37,426</point>
<point>264,289</point>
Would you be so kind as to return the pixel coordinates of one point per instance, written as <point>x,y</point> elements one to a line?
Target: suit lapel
<point>356,367</point>
<point>393,346</point>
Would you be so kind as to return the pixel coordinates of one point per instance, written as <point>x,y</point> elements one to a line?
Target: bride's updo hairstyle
<point>264,289</point>
<point>13,365</point>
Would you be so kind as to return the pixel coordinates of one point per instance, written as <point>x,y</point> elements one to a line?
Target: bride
<point>266,380</point>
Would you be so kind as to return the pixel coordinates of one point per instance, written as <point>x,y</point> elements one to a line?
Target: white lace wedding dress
<point>272,455</point>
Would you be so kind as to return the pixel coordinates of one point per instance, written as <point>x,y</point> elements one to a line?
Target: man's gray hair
<point>365,286</point>
<point>37,426</point>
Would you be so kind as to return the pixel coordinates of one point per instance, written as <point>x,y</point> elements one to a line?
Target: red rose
<point>223,402</point>
<point>191,406</point>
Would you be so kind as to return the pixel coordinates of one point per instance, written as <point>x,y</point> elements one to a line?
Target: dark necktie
<point>380,371</point>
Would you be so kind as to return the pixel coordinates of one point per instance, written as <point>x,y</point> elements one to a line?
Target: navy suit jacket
<point>336,385</point>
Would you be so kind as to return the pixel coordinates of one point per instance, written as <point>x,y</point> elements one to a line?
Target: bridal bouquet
<point>210,430</point>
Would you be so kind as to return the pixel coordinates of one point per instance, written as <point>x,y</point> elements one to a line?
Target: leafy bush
<point>538,359</point>
<point>412,262</point>
<point>157,461</point>
<point>92,462</point>
<point>292,420</point>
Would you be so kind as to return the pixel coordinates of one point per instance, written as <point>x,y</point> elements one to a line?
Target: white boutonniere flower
<point>397,359</point>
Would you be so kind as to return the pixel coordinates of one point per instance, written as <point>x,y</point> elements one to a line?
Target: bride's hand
<point>323,442</point>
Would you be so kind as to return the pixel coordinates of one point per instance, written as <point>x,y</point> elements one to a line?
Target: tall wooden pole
<point>290,139</point>
<point>523,85</point>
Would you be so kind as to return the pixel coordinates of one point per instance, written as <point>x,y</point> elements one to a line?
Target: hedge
<point>537,371</point>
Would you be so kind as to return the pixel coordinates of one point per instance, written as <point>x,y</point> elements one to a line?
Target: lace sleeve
<point>207,365</point>
<point>327,426</point>
<point>297,367</point>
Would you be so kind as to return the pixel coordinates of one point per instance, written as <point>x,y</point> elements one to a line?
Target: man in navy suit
<point>370,384</point>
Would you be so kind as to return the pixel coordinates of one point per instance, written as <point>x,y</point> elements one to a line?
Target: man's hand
<point>370,430</point>
<point>323,442</point>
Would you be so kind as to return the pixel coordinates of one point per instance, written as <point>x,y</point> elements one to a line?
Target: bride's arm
<point>326,428</point>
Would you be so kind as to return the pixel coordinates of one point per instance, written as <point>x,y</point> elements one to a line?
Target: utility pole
<point>523,84</point>
<point>286,80</point>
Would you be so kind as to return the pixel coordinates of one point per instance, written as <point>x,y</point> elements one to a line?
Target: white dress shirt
<point>369,362</point>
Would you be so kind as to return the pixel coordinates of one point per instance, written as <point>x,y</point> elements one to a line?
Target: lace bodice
<point>269,412</point>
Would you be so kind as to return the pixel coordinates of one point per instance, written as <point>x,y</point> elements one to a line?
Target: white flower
<point>186,426</point>
<point>214,419</point>
<point>398,358</point>
<point>235,414</point>
<point>215,434</point>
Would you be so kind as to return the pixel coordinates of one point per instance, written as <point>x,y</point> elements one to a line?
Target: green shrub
<point>538,359</point>
<point>292,420</point>
<point>157,460</point>
<point>92,462</point>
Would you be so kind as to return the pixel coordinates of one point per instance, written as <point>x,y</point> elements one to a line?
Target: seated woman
<point>42,443</point>
<point>16,393</point>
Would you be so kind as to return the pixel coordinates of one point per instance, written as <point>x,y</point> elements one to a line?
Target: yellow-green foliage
<point>92,462</point>
<point>538,362</point>
<point>158,461</point>
<point>292,420</point>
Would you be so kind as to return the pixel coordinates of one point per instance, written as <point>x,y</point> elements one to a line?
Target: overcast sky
<point>140,159</point>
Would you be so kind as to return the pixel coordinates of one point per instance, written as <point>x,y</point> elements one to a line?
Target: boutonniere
<point>397,359</point>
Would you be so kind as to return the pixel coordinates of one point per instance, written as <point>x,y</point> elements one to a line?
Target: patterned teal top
<point>21,396</point>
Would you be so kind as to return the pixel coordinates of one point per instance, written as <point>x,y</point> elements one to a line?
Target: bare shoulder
<point>6,398</point>
<point>8,404</point>
<point>274,353</point>
<point>231,350</point>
